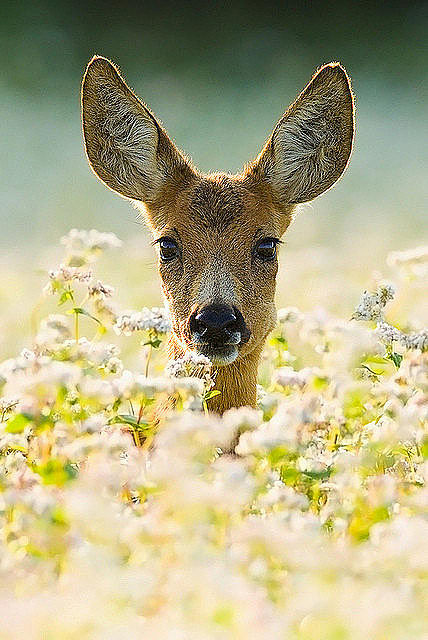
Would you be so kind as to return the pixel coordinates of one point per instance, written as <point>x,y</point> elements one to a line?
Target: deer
<point>217,234</point>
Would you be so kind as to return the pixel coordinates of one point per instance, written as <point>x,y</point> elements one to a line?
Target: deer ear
<point>126,147</point>
<point>310,146</point>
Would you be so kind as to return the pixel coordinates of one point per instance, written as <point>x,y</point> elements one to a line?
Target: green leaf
<point>317,475</point>
<point>55,471</point>
<point>18,423</point>
<point>288,474</point>
<point>154,342</point>
<point>66,295</point>
<point>126,418</point>
<point>278,339</point>
<point>224,616</point>
<point>212,394</point>
<point>396,358</point>
<point>320,383</point>
<point>364,366</point>
<point>16,447</point>
<point>83,312</point>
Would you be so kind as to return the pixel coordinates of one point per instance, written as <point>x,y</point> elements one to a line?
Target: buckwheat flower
<point>414,261</point>
<point>191,385</point>
<point>100,354</point>
<point>53,329</point>
<point>417,340</point>
<point>7,405</point>
<point>100,390</point>
<point>191,364</point>
<point>130,321</point>
<point>389,334</point>
<point>371,305</point>
<point>288,377</point>
<point>77,241</point>
<point>289,314</point>
<point>186,434</point>
<point>279,431</point>
<point>28,355</point>
<point>10,441</point>
<point>282,495</point>
<point>93,424</point>
<point>67,274</point>
<point>98,289</point>
<point>105,311</point>
<point>243,419</point>
<point>113,365</point>
<point>232,486</point>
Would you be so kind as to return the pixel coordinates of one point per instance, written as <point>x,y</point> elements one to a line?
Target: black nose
<point>218,325</point>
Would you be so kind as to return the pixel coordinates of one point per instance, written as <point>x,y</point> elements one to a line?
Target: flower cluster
<point>389,334</point>
<point>412,261</point>
<point>135,513</point>
<point>84,246</point>
<point>191,364</point>
<point>146,319</point>
<point>371,305</point>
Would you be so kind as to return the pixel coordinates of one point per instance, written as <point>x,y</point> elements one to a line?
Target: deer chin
<point>219,356</point>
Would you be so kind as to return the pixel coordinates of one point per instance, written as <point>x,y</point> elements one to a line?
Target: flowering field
<point>303,519</point>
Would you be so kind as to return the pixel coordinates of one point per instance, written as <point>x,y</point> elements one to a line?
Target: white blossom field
<point>302,519</point>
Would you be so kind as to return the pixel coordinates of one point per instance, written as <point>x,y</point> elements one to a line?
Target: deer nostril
<point>215,319</point>
<point>217,324</point>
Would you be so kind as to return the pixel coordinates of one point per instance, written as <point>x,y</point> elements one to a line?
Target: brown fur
<point>216,219</point>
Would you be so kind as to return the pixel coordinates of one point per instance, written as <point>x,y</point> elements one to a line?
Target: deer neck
<point>237,382</point>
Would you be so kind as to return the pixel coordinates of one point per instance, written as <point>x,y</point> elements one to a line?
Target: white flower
<point>99,289</point>
<point>389,334</point>
<point>289,314</point>
<point>81,240</point>
<point>243,419</point>
<point>100,354</point>
<point>53,329</point>
<point>288,377</point>
<point>281,494</point>
<point>371,305</point>
<point>417,340</point>
<point>155,318</point>
<point>67,274</point>
<point>191,364</point>
<point>414,261</point>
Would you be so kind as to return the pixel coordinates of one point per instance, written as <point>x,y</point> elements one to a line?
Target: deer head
<point>217,234</point>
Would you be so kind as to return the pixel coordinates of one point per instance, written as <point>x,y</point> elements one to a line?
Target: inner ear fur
<point>310,146</point>
<point>126,146</point>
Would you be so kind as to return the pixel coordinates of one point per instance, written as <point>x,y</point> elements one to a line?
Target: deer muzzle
<point>217,331</point>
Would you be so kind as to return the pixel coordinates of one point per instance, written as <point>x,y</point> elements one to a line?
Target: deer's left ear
<point>311,144</point>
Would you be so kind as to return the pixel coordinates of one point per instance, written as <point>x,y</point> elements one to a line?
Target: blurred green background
<point>219,75</point>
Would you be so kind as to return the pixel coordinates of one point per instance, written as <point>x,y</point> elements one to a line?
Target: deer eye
<point>265,249</point>
<point>168,249</point>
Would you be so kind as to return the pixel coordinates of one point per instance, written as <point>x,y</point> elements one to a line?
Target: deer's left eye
<point>168,249</point>
<point>265,249</point>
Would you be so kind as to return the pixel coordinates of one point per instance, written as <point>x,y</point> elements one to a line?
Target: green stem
<point>149,355</point>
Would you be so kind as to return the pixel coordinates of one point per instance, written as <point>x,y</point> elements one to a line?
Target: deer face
<point>218,262</point>
<point>217,235</point>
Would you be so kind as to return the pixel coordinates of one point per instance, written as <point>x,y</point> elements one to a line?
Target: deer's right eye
<point>168,249</point>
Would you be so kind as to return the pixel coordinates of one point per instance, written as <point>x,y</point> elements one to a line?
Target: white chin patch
<point>222,358</point>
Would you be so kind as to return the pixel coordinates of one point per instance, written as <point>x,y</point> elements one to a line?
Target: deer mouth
<point>220,355</point>
<point>217,331</point>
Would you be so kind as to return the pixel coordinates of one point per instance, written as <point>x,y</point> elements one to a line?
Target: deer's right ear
<point>126,147</point>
